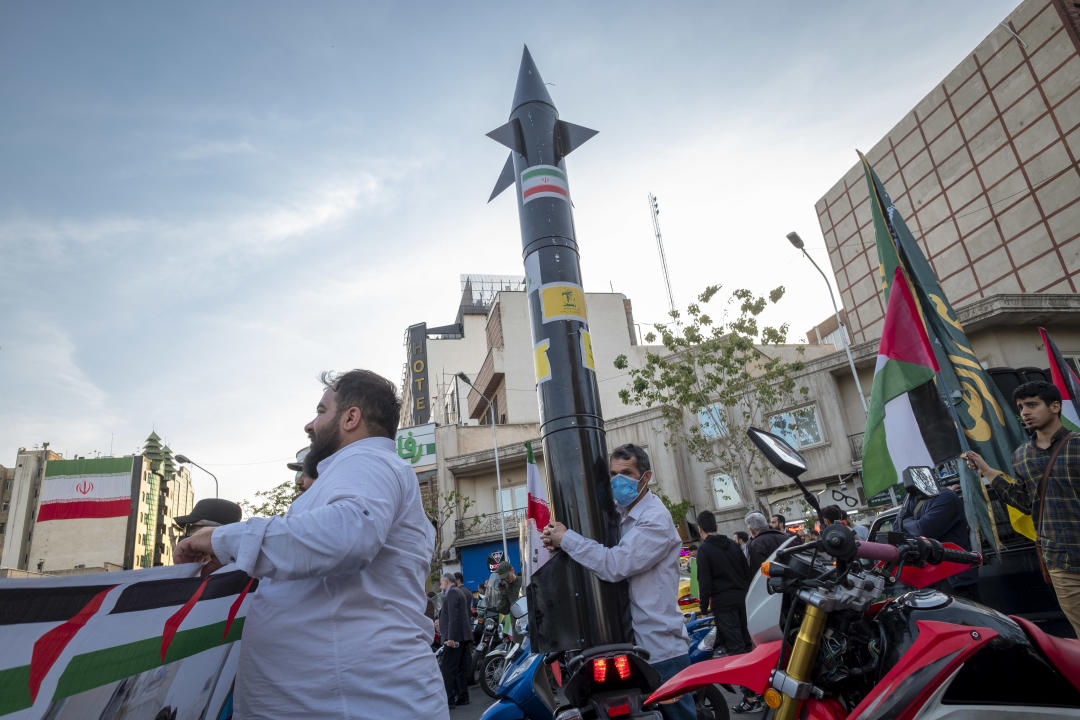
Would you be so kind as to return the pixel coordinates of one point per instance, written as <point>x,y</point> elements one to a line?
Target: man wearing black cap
<point>208,512</point>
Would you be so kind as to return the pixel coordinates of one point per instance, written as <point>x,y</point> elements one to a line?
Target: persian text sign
<point>126,644</point>
<point>417,444</point>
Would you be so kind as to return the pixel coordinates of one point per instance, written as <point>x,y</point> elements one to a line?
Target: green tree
<point>713,380</point>
<point>445,508</point>
<point>274,501</point>
<point>678,510</point>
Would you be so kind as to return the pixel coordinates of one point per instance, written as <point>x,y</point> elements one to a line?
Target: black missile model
<point>569,607</point>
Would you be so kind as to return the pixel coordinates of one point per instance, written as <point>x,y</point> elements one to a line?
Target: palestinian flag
<point>1066,381</point>
<point>544,181</point>
<point>538,514</point>
<point>907,424</point>
<point>79,641</point>
<point>86,488</point>
<point>987,421</point>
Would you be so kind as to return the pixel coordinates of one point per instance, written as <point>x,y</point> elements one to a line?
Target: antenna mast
<point>654,210</point>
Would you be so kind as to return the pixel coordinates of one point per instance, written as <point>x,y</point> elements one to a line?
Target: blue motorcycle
<point>524,691</point>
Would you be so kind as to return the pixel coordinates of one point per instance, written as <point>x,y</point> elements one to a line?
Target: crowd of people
<point>348,563</point>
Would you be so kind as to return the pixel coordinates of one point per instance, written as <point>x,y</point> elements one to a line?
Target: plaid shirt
<point>1058,529</point>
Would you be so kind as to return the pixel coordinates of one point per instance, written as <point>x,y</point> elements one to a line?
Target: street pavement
<point>481,702</point>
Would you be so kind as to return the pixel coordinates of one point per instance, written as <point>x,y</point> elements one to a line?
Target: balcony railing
<point>477,526</point>
<point>856,446</point>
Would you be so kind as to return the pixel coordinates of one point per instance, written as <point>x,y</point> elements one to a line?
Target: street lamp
<point>498,478</point>
<point>184,459</point>
<point>796,241</point>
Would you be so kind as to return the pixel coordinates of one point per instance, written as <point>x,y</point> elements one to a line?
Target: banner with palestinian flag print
<point>1066,382</point>
<point>544,181</point>
<point>92,488</point>
<point>907,425</point>
<point>155,643</point>
<point>537,516</point>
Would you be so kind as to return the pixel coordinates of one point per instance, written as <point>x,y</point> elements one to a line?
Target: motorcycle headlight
<point>521,626</point>
<point>489,625</point>
<point>514,671</point>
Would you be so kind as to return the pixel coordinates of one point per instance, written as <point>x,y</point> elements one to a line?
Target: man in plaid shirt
<point>1058,526</point>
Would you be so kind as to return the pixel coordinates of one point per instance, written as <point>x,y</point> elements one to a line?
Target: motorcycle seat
<point>1063,653</point>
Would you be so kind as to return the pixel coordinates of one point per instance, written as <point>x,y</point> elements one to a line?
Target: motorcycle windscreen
<point>920,577</point>
<point>763,608</point>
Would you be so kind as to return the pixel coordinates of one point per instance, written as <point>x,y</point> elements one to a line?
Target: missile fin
<point>569,137</point>
<point>506,177</point>
<point>510,136</point>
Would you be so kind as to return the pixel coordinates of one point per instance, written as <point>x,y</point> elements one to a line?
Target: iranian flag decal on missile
<point>544,181</point>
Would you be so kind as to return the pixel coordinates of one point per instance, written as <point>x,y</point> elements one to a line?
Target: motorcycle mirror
<point>785,459</point>
<point>921,478</point>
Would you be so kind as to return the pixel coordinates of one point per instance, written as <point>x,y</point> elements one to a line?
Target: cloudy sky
<point>205,204</point>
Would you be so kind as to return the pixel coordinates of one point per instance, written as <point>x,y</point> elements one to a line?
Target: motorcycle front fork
<point>795,681</point>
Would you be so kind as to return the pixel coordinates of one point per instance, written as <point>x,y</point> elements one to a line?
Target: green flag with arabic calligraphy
<point>988,421</point>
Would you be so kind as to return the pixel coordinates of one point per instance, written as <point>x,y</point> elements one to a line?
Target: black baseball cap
<point>223,512</point>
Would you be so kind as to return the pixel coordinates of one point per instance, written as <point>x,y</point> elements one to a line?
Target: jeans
<point>684,709</point>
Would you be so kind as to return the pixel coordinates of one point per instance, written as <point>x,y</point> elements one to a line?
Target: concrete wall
<point>984,171</point>
<point>26,486</point>
<point>610,338</point>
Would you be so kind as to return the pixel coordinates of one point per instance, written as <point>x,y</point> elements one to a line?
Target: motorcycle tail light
<point>619,710</point>
<point>622,666</point>
<point>599,670</point>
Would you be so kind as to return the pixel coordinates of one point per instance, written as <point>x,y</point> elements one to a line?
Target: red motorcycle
<point>845,653</point>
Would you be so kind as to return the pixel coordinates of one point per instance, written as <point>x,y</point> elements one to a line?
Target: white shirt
<point>337,626</point>
<point>648,556</point>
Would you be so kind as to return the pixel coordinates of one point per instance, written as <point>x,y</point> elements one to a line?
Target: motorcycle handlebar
<point>877,551</point>
<point>961,556</point>
<point>927,550</point>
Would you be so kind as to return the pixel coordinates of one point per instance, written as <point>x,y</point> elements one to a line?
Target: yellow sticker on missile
<point>586,351</point>
<point>540,361</point>
<point>562,302</point>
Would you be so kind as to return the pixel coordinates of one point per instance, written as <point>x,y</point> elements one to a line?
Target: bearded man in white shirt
<point>337,626</point>
<point>648,556</point>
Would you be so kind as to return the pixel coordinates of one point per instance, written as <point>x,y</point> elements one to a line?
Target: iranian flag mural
<point>155,643</point>
<point>86,488</point>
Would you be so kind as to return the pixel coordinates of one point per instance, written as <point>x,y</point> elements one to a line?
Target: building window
<point>725,492</point>
<point>712,421</point>
<point>515,498</point>
<point>1073,361</point>
<point>799,427</point>
<point>4,507</point>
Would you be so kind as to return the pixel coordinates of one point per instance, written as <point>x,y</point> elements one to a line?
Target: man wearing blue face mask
<point>648,557</point>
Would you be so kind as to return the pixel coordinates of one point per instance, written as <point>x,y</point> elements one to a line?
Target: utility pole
<point>654,210</point>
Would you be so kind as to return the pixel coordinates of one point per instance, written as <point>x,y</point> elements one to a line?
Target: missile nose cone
<point>530,86</point>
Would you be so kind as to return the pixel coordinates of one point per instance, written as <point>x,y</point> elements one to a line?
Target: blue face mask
<point>624,489</point>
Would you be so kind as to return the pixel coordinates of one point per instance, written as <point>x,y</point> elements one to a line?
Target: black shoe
<point>748,706</point>
<point>463,700</point>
